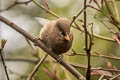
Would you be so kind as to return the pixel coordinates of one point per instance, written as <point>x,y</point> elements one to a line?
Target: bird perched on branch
<point>56,34</point>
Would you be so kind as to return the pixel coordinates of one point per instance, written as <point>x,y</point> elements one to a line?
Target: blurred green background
<point>17,47</point>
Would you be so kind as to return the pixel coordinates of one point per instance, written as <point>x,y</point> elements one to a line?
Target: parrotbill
<point>56,34</point>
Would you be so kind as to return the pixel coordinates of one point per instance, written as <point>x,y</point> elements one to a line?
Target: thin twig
<point>35,51</point>
<point>92,68</point>
<point>110,16</point>
<point>104,38</point>
<point>35,60</point>
<point>101,77</point>
<point>95,55</point>
<point>51,74</point>
<point>109,28</point>
<point>115,77</point>
<point>94,35</point>
<point>77,27</point>
<point>47,10</point>
<point>94,8</point>
<point>35,69</point>
<point>76,16</point>
<point>4,65</point>
<point>47,5</point>
<point>16,3</point>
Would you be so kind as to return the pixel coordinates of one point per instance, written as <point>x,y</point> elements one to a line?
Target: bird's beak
<point>67,37</point>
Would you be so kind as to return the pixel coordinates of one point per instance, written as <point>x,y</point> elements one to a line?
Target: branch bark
<point>88,44</point>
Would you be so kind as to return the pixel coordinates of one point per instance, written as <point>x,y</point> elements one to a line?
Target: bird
<point>56,34</point>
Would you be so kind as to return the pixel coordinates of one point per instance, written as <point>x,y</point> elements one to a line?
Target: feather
<point>42,21</point>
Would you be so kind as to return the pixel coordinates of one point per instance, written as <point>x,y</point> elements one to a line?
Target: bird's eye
<point>62,33</point>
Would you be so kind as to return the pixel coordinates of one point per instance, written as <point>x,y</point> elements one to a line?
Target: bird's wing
<point>42,21</point>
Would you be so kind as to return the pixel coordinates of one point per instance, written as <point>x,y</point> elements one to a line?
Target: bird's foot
<point>35,40</point>
<point>60,58</point>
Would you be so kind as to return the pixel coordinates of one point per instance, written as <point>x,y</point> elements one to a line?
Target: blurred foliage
<point>23,15</point>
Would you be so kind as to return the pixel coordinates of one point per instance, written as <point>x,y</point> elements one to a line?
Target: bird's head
<point>63,25</point>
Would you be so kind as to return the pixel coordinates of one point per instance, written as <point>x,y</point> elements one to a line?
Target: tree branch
<point>87,49</point>
<point>92,69</point>
<point>16,3</point>
<point>95,54</point>
<point>3,62</point>
<point>37,67</point>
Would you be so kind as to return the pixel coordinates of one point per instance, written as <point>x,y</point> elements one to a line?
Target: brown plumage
<point>57,35</point>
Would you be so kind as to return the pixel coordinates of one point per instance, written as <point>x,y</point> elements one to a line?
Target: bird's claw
<point>60,58</point>
<point>35,40</point>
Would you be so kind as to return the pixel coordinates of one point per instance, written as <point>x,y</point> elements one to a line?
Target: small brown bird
<point>56,34</point>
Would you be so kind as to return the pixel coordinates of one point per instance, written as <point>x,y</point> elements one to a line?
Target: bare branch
<point>35,51</point>
<point>115,77</point>
<point>3,61</point>
<point>92,68</point>
<point>95,54</point>
<point>101,77</point>
<point>47,5</point>
<point>37,67</point>
<point>76,16</point>
<point>87,49</point>
<point>47,10</point>
<point>16,3</point>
